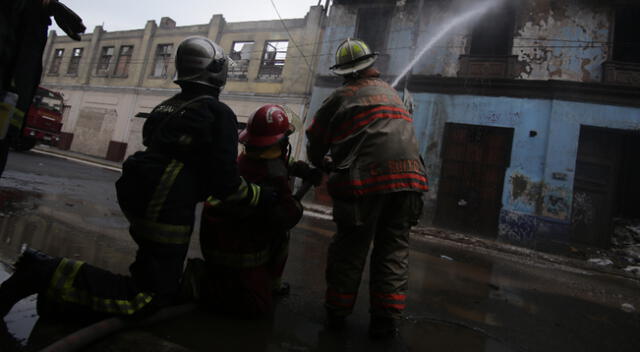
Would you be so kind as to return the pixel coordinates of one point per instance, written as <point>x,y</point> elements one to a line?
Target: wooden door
<point>474,161</point>
<point>597,167</point>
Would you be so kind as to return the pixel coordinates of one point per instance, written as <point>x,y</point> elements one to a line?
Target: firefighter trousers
<point>385,220</point>
<point>158,195</point>
<point>241,273</point>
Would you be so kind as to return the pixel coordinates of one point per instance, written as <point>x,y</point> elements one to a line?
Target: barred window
<point>55,62</point>
<point>161,63</point>
<point>240,54</point>
<point>76,55</point>
<point>124,58</point>
<point>273,58</point>
<point>104,62</point>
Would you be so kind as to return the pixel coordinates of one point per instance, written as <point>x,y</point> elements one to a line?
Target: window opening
<point>105,61</point>
<point>161,64</point>
<point>626,45</point>
<point>55,62</point>
<point>493,35</point>
<point>124,58</point>
<point>372,26</point>
<point>273,58</point>
<point>76,55</point>
<point>240,54</point>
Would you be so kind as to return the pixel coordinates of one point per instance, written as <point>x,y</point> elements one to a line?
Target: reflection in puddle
<point>92,233</point>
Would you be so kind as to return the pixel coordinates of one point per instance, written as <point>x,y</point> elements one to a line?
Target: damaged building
<point>109,77</point>
<point>528,115</point>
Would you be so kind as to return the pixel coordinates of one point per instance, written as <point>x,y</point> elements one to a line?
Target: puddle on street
<point>458,299</point>
<point>58,226</point>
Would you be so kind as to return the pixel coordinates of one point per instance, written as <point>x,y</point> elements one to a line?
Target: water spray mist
<point>475,11</point>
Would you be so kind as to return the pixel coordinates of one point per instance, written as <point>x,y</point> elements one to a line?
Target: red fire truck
<point>43,120</point>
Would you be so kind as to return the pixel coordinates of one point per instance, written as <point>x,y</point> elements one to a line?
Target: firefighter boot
<point>383,327</point>
<point>33,273</point>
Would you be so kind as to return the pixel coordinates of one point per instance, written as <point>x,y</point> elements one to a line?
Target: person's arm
<point>304,171</point>
<point>319,134</point>
<point>227,186</point>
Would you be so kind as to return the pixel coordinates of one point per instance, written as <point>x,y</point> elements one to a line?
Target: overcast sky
<point>133,14</point>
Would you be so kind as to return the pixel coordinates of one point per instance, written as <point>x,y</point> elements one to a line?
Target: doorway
<point>606,183</point>
<point>474,162</point>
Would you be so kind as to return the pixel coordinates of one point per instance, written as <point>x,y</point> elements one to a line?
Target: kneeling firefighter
<point>191,152</point>
<point>245,254</point>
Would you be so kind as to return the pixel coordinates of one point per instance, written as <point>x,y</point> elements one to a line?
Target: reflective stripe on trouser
<point>388,301</point>
<point>158,195</point>
<point>339,303</point>
<point>122,299</point>
<point>385,220</point>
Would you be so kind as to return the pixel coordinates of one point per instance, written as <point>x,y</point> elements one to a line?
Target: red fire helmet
<point>266,126</point>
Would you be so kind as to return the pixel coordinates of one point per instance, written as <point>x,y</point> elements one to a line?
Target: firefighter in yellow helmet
<point>376,183</point>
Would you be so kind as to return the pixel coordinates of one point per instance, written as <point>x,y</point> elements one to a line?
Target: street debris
<point>601,261</point>
<point>626,237</point>
<point>633,269</point>
<point>628,308</point>
<point>445,257</point>
<point>625,247</point>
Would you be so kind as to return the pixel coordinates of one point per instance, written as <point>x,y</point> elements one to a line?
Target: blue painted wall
<point>551,42</point>
<point>538,188</point>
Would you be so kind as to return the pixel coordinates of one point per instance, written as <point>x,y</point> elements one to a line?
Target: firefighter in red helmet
<point>244,260</point>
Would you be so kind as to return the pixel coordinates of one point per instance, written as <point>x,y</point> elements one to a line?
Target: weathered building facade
<point>108,77</point>
<point>527,115</point>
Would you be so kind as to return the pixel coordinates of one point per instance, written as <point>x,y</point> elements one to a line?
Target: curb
<point>477,243</point>
<point>111,165</point>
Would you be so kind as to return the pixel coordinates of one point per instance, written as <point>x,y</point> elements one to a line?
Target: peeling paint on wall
<point>565,41</point>
<point>548,201</point>
<point>525,190</point>
<point>556,205</point>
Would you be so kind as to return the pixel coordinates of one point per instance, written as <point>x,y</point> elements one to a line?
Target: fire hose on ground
<point>88,335</point>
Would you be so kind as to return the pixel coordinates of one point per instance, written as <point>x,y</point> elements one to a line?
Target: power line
<point>290,36</point>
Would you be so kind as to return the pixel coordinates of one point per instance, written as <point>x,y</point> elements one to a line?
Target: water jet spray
<point>464,17</point>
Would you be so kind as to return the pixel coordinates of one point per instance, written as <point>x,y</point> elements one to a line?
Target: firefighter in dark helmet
<point>191,142</point>
<point>376,183</point>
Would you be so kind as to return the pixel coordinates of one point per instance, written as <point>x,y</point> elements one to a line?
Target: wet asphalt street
<point>460,299</point>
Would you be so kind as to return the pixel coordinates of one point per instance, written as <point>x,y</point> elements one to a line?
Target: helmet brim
<point>247,138</point>
<point>355,67</point>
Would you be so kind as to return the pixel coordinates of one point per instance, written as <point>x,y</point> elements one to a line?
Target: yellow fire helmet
<point>353,55</point>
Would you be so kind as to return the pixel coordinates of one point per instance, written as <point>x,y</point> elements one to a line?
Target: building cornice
<point>592,92</point>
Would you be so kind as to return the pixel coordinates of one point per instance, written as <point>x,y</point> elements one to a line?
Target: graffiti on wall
<point>500,117</point>
<point>548,201</point>
<point>517,227</point>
